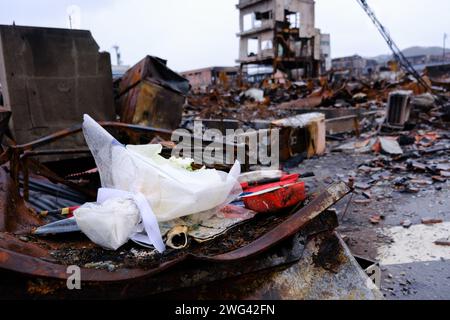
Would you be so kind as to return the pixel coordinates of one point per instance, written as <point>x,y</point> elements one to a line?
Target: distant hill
<point>417,51</point>
<point>382,58</point>
<point>412,51</point>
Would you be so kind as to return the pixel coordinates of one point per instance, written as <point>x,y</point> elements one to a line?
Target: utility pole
<point>119,60</point>
<point>445,40</point>
<point>74,17</point>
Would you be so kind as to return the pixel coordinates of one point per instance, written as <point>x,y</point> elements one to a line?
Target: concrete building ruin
<point>203,79</point>
<point>279,35</point>
<point>325,52</point>
<point>355,66</point>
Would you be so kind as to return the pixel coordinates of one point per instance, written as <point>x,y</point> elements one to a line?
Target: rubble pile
<point>414,160</point>
<point>288,99</point>
<point>114,198</point>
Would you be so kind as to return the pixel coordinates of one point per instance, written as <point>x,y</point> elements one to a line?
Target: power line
<point>398,54</point>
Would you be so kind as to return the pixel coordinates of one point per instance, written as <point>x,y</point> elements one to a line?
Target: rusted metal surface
<point>18,155</point>
<point>152,94</point>
<point>30,268</point>
<point>5,115</point>
<point>31,261</point>
<point>27,257</point>
<point>14,215</point>
<point>300,280</point>
<point>150,104</point>
<point>50,77</point>
<point>184,272</point>
<point>40,169</point>
<point>156,69</point>
<point>291,225</point>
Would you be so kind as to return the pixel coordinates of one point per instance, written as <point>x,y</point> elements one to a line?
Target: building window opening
<point>248,22</point>
<point>253,47</point>
<point>267,45</point>
<point>293,18</point>
<point>255,20</point>
<point>251,22</point>
<point>261,16</point>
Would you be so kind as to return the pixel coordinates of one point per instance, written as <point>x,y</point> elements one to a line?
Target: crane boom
<point>398,54</point>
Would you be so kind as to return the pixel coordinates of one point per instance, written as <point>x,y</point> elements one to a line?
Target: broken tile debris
<point>431,221</point>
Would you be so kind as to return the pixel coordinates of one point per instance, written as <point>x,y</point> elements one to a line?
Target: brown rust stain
<point>3,257</point>
<point>329,256</point>
<point>41,287</point>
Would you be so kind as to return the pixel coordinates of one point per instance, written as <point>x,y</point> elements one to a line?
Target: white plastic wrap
<point>110,223</point>
<point>171,191</point>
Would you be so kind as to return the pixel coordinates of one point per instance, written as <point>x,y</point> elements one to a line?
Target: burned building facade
<point>203,79</point>
<point>279,35</point>
<point>325,53</point>
<point>356,66</point>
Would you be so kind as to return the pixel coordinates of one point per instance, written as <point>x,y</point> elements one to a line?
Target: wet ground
<point>412,265</point>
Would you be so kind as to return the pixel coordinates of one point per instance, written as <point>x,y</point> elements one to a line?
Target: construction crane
<point>398,54</point>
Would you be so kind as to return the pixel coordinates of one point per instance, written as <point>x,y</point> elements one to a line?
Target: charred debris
<point>283,218</point>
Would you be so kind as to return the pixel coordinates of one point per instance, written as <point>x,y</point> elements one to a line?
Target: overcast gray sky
<point>199,33</point>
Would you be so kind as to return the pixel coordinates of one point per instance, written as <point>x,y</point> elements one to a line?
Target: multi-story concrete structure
<point>279,35</point>
<point>356,65</point>
<point>202,79</point>
<point>325,53</point>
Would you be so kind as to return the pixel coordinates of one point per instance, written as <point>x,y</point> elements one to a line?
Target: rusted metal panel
<point>151,94</point>
<point>50,78</point>
<point>326,271</point>
<point>149,104</point>
<point>155,69</point>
